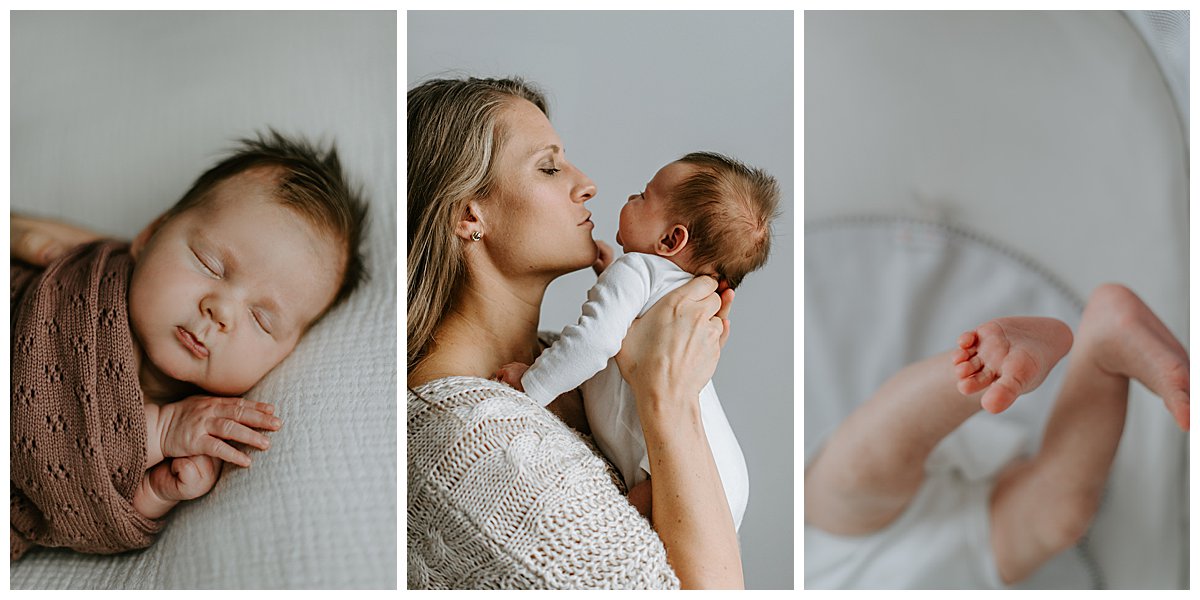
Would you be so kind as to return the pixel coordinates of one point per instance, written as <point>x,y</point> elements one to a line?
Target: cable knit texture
<point>78,439</point>
<point>502,494</point>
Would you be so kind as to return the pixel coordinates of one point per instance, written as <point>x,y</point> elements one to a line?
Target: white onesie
<point>583,357</point>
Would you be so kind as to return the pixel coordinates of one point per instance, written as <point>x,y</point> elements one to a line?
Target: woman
<point>500,492</point>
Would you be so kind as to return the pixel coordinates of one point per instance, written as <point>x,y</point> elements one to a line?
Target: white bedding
<point>113,116</point>
<point>1052,133</point>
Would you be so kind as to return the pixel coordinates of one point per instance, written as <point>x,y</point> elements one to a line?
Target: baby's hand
<point>604,257</point>
<point>512,374</point>
<point>199,424</point>
<point>184,478</point>
<point>641,497</point>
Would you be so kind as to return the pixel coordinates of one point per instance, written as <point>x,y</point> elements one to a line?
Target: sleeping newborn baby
<point>704,214</point>
<point>129,360</point>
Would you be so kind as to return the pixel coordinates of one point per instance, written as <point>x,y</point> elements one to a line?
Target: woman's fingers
<point>723,314</point>
<point>699,288</point>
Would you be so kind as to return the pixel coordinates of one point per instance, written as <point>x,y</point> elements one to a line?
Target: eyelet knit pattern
<point>503,495</point>
<point>78,439</point>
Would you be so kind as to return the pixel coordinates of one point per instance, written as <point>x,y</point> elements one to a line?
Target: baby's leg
<point>874,462</point>
<point>1043,506</point>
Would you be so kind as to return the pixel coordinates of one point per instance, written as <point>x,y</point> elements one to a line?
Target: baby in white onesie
<point>704,214</point>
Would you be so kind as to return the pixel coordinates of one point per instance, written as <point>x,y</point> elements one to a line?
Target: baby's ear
<point>673,241</point>
<point>139,242</point>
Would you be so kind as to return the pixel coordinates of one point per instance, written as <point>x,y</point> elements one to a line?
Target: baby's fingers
<point>254,414</point>
<point>219,449</point>
<point>228,429</point>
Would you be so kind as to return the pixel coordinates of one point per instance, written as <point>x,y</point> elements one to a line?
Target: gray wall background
<point>630,92</point>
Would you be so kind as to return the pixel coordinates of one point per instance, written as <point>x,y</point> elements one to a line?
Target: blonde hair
<point>454,134</point>
<point>727,208</point>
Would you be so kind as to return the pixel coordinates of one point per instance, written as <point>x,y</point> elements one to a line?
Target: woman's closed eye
<point>551,171</point>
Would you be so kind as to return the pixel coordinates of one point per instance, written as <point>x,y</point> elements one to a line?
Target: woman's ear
<point>139,242</point>
<point>469,227</point>
<point>673,241</point>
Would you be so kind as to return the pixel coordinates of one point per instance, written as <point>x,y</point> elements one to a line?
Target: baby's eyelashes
<point>210,265</point>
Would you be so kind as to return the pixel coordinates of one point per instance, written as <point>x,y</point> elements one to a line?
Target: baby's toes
<point>1180,407</point>
<point>974,383</point>
<point>967,339</point>
<point>968,367</point>
<point>1001,395</point>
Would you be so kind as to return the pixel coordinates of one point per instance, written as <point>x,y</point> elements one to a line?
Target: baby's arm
<point>170,483</point>
<point>585,347</point>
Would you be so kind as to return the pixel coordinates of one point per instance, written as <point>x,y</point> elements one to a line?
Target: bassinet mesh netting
<point>1166,34</point>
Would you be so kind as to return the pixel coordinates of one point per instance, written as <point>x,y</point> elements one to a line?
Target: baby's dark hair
<point>311,182</point>
<point>728,208</point>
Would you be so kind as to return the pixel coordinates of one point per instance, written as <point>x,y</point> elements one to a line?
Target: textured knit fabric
<point>583,358</point>
<point>78,427</point>
<point>503,495</point>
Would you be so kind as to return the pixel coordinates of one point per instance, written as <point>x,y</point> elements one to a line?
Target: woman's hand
<point>40,241</point>
<point>673,349</point>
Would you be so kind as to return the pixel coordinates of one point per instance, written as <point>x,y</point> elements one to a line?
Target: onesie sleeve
<point>585,347</point>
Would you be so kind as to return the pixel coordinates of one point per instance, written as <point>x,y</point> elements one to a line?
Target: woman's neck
<point>491,323</point>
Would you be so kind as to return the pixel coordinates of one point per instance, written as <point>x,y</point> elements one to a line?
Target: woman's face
<point>534,220</point>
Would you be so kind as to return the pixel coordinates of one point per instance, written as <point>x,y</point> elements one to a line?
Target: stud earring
<point>476,236</point>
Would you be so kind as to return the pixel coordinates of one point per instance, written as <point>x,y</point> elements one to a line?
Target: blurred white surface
<point>1053,134</point>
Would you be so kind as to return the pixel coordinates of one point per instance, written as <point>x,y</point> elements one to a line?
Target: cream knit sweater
<point>502,494</point>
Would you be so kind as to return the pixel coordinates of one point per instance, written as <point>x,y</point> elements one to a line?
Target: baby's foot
<point>1009,357</point>
<point>1126,338</point>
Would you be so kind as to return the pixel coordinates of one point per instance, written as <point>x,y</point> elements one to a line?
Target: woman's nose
<point>585,189</point>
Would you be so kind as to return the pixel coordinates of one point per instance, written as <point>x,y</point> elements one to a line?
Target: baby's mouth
<point>191,342</point>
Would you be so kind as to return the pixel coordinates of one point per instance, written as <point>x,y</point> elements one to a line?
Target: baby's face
<point>222,292</point>
<point>644,219</point>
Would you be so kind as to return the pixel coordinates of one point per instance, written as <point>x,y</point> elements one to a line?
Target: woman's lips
<point>190,342</point>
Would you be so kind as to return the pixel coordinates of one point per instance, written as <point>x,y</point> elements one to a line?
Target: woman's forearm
<point>689,507</point>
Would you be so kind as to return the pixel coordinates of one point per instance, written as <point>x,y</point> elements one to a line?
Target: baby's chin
<point>166,375</point>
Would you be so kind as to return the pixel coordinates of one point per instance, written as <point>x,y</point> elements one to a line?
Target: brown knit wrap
<point>78,427</point>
